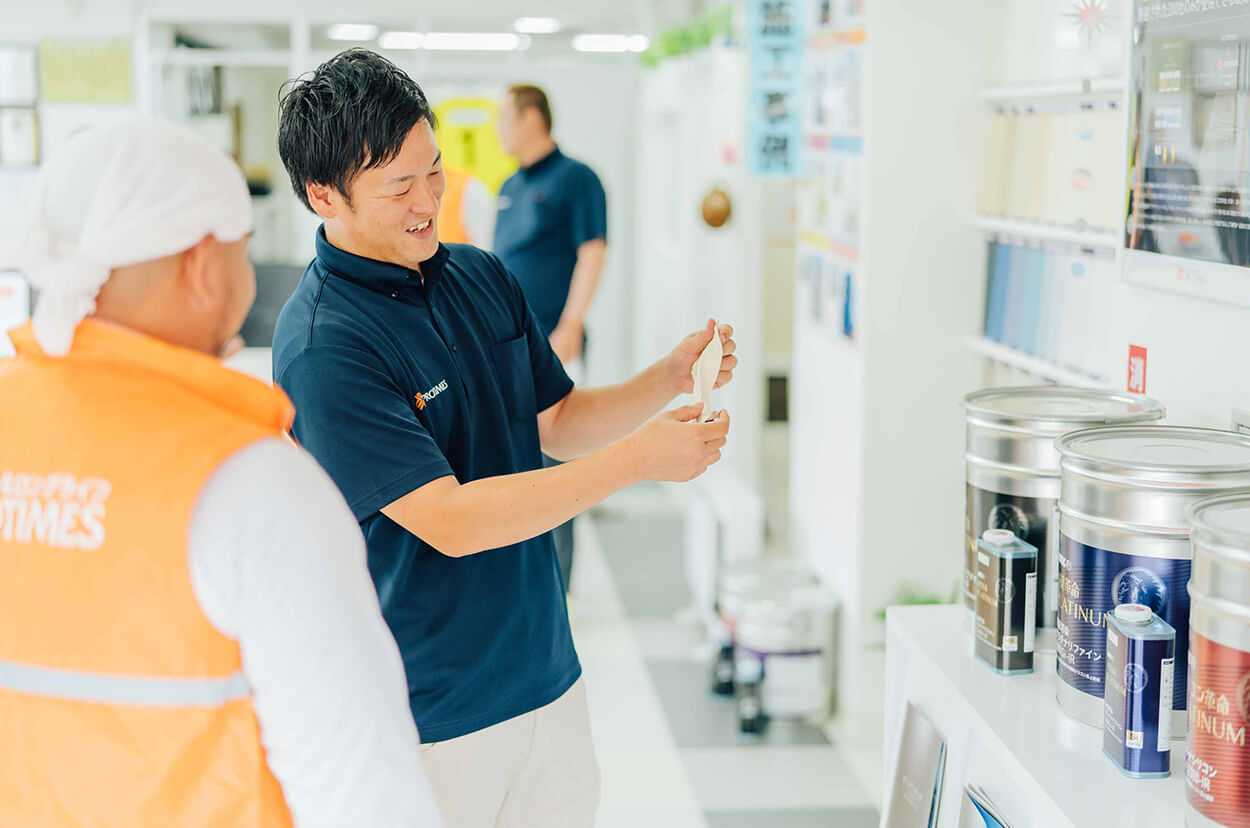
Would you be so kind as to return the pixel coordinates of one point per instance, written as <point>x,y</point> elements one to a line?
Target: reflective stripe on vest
<point>140,691</point>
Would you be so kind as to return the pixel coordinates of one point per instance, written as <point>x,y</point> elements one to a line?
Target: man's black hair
<point>352,114</point>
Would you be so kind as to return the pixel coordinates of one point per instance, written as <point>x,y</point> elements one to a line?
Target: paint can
<point>1125,540</point>
<point>1013,475</point>
<point>1217,760</point>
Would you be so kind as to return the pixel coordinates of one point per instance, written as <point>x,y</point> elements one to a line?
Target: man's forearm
<point>521,506</point>
<point>584,283</point>
<point>590,418</point>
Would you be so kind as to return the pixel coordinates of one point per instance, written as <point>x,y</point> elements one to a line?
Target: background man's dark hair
<point>525,95</point>
<point>352,114</point>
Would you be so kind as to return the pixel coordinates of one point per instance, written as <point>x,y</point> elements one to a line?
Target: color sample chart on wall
<point>1055,167</point>
<point>830,193</point>
<point>1043,300</point>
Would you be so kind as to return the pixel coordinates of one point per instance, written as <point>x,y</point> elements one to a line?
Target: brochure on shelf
<point>918,775</point>
<point>979,811</point>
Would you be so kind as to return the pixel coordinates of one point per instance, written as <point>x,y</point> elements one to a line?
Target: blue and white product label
<point>1092,582</point>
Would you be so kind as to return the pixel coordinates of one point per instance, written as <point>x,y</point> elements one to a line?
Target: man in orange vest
<point>467,213</point>
<point>188,632</point>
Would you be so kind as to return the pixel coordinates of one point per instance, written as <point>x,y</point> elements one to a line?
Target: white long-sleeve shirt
<point>278,563</point>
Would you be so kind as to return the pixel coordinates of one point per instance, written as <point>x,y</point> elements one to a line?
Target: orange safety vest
<point>120,704</point>
<point>451,229</point>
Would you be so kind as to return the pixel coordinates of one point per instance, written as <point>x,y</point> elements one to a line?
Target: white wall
<point>27,22</point>
<point>877,432</point>
<point>691,123</point>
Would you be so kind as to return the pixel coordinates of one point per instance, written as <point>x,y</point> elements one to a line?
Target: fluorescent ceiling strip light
<point>610,43</point>
<point>400,40</point>
<point>352,31</point>
<point>536,25</point>
<point>474,41</point>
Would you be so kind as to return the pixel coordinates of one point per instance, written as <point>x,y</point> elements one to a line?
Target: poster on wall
<point>467,135</point>
<point>775,102</point>
<point>85,71</point>
<point>1188,214</point>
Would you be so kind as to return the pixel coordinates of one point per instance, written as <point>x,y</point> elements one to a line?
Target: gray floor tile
<point>821,818</point>
<point>699,719</point>
<point>645,556</point>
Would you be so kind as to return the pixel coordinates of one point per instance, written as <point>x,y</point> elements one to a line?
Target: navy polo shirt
<point>397,382</point>
<point>547,211</point>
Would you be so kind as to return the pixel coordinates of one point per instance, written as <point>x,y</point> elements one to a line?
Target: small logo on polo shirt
<point>424,399</point>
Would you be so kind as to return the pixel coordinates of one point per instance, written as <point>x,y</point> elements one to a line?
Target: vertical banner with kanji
<point>775,107</point>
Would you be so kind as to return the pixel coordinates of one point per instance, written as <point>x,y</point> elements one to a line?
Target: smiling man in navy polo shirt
<point>426,387</point>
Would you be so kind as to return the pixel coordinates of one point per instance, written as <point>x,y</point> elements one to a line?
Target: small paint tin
<point>1006,602</point>
<point>1137,704</point>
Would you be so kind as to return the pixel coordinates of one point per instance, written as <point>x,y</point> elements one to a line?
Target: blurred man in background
<point>551,233</point>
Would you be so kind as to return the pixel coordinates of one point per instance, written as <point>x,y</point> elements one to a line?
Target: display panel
<point>1188,225</point>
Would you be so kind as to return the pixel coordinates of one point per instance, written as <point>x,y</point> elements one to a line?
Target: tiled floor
<point>669,750</point>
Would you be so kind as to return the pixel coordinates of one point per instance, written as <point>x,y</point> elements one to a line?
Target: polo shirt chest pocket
<point>516,378</point>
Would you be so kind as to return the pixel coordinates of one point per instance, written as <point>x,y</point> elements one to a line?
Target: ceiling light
<point>610,43</point>
<point>400,40</point>
<point>352,31</point>
<point>475,41</point>
<point>536,25</point>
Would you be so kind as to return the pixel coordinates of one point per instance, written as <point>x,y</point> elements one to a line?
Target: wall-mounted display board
<point>1188,223</point>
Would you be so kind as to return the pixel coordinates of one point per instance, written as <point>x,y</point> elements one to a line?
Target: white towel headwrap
<point>118,195</point>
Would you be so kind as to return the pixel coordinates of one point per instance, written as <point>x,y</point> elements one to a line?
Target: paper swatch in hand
<point>705,371</point>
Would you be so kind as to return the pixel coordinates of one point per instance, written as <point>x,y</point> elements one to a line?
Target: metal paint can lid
<point>1171,449</point>
<point>1045,405</point>
<point>1227,516</point>
<point>1134,614</point>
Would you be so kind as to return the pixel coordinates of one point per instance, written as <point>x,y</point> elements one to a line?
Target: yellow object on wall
<point>467,137</point>
<point>85,71</point>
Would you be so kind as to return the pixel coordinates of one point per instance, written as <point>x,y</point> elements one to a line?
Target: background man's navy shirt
<point>397,383</point>
<point>547,211</point>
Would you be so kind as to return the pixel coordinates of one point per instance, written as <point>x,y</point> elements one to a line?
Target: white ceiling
<point>623,16</point>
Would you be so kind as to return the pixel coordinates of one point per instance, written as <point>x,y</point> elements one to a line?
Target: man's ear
<point>195,271</point>
<point>322,198</point>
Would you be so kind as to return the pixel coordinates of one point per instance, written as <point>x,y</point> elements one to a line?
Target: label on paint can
<point>1095,581</point>
<point>1028,517</point>
<point>1167,679</point>
<point>1030,610</point>
<point>1217,759</point>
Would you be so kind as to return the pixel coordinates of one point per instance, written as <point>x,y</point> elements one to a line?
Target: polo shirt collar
<point>546,161</point>
<point>383,277</point>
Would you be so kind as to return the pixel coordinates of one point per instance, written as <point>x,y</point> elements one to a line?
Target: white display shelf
<point>1040,368</point>
<point>1007,734</point>
<point>1023,93</point>
<point>1045,232</point>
